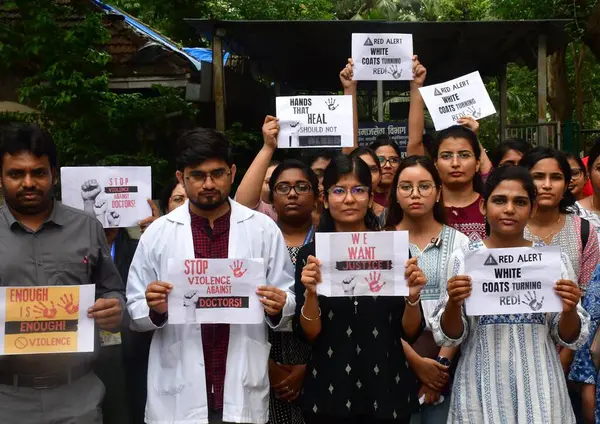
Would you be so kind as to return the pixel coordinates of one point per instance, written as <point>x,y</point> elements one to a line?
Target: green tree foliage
<point>57,49</point>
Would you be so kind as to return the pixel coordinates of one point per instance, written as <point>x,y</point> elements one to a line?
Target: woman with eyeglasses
<point>510,152</point>
<point>416,206</point>
<point>389,156</point>
<point>578,176</point>
<point>457,152</point>
<point>357,371</point>
<point>293,189</point>
<point>172,196</point>
<point>509,371</point>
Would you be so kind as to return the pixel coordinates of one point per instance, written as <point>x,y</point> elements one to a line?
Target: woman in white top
<point>416,206</point>
<point>509,371</point>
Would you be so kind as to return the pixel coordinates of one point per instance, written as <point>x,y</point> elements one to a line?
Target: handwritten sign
<point>382,57</point>
<point>449,101</point>
<point>215,291</point>
<point>44,319</point>
<point>362,264</point>
<point>513,281</point>
<point>396,131</point>
<point>116,195</point>
<point>315,121</point>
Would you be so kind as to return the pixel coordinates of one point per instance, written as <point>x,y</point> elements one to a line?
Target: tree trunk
<point>559,96</point>
<point>592,34</point>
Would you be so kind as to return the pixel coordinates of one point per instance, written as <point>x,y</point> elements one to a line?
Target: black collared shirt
<point>70,248</point>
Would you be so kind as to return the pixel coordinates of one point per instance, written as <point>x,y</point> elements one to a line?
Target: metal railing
<point>540,134</point>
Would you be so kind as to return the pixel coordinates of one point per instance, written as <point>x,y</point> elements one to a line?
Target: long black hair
<point>516,144</point>
<point>508,173</point>
<point>458,131</point>
<point>395,212</point>
<point>537,154</point>
<point>339,167</point>
<point>166,193</point>
<point>384,140</point>
<point>592,156</point>
<point>311,177</point>
<point>360,151</point>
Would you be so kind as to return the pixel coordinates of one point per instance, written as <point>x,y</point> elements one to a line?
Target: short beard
<point>208,207</point>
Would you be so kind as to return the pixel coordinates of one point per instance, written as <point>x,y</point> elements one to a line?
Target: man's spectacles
<point>200,176</point>
<point>283,189</point>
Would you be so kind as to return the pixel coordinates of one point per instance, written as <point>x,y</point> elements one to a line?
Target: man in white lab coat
<point>209,373</point>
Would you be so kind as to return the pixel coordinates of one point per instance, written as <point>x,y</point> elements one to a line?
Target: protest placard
<point>315,121</point>
<point>116,195</point>
<point>449,101</point>
<point>513,281</point>
<point>215,291</point>
<point>362,264</point>
<point>382,57</point>
<point>396,131</point>
<point>45,319</point>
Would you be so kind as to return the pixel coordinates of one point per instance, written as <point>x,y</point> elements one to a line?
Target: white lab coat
<point>176,379</point>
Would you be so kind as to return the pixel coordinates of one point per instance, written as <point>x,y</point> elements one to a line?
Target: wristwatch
<point>444,361</point>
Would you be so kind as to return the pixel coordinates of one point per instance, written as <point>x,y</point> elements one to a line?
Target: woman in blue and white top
<point>416,206</point>
<point>509,370</point>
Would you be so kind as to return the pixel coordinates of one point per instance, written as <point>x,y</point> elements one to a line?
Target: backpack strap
<point>585,233</point>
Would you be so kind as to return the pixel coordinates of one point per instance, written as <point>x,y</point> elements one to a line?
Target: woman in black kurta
<point>357,372</point>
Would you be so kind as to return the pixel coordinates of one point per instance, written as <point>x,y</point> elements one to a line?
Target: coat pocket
<point>169,378</point>
<point>256,370</point>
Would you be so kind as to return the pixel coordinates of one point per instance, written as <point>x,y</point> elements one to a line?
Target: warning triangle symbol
<point>490,261</point>
<point>368,42</point>
<point>437,92</point>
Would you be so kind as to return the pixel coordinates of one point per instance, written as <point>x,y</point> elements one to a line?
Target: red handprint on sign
<point>237,269</point>
<point>373,281</point>
<point>44,311</point>
<point>66,302</point>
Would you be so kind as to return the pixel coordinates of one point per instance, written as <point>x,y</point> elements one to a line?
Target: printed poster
<point>216,291</point>
<point>362,264</point>
<point>449,101</point>
<point>396,131</point>
<point>40,319</point>
<point>383,57</point>
<point>513,281</point>
<point>116,195</point>
<point>315,121</point>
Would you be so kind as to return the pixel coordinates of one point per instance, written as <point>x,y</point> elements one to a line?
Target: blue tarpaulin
<point>203,54</point>
<point>149,32</point>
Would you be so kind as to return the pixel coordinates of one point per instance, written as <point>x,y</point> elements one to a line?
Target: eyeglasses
<point>201,176</point>
<point>283,189</point>
<point>576,173</point>
<point>358,192</point>
<point>393,160</point>
<point>464,155</point>
<point>424,189</point>
<point>177,199</point>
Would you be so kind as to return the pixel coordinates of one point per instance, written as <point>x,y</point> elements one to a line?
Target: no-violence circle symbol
<point>21,343</point>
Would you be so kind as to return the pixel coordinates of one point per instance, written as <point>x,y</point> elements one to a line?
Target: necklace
<point>544,239</point>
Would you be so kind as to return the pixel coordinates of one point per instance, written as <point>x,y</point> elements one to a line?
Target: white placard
<point>362,264</point>
<point>315,121</point>
<point>386,57</point>
<point>116,195</point>
<point>215,291</point>
<point>449,101</point>
<point>513,281</point>
<point>46,319</point>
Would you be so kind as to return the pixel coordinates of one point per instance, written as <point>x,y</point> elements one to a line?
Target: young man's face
<point>27,182</point>
<point>208,185</point>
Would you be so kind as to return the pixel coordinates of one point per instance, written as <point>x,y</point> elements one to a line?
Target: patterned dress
<point>584,261</point>
<point>591,216</point>
<point>357,365</point>
<point>582,369</point>
<point>287,349</point>
<point>509,371</point>
<point>467,220</point>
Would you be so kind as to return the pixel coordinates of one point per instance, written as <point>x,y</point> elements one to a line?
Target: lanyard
<point>309,236</point>
<point>112,251</point>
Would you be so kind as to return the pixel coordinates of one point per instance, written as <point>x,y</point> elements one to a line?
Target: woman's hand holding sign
<point>272,298</point>
<point>156,296</point>
<point>415,278</point>
<point>459,288</point>
<point>569,326</point>
<point>311,275</point>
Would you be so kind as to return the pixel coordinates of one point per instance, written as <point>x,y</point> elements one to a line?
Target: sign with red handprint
<point>362,264</point>
<point>46,319</point>
<point>218,291</point>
